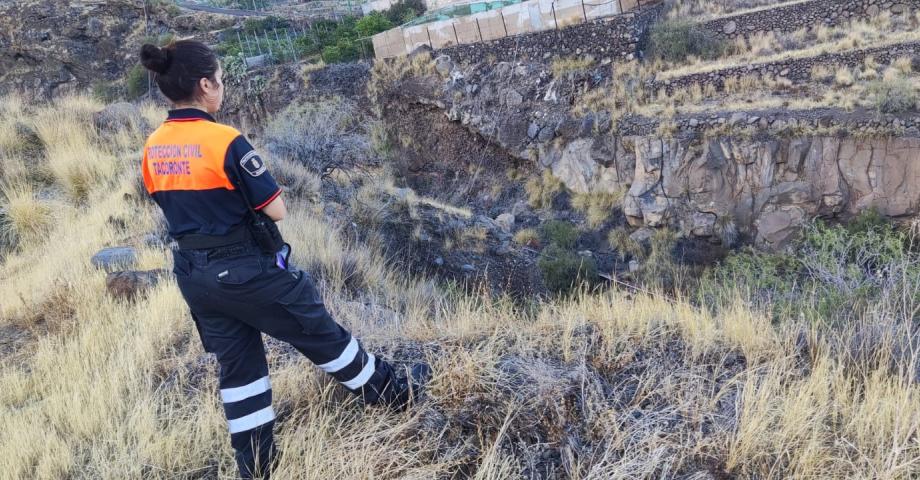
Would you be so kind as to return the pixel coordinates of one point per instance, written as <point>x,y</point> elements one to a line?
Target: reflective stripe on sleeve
<point>236,394</point>
<point>253,420</point>
<point>347,356</point>
<point>362,377</point>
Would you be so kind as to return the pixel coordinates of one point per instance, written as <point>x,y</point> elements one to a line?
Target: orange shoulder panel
<point>187,156</point>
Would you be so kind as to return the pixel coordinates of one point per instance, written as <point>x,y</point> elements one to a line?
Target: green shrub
<point>167,7</point>
<point>372,24</point>
<point>677,40</point>
<point>136,82</point>
<point>259,25</point>
<point>833,273</point>
<point>161,40</point>
<point>404,11</point>
<point>561,233</point>
<point>234,69</point>
<point>894,95</point>
<point>564,270</point>
<point>344,51</point>
<point>344,40</point>
<point>106,92</point>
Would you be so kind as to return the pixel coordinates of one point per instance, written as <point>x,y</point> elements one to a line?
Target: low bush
<point>324,135</point>
<point>678,40</point>
<point>561,67</point>
<point>564,270</point>
<point>625,246</point>
<point>405,11</point>
<point>659,267</point>
<point>561,233</point>
<point>835,272</point>
<point>136,82</point>
<point>894,95</point>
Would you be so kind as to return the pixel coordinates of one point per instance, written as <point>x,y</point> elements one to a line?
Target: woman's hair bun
<point>154,58</point>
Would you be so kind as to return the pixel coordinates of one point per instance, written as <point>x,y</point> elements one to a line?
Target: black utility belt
<point>195,241</point>
<point>258,229</point>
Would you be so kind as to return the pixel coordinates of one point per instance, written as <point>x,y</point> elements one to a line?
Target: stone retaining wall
<point>797,70</point>
<point>616,38</point>
<point>803,15</point>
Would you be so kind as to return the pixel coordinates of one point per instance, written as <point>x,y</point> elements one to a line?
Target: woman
<point>220,202</point>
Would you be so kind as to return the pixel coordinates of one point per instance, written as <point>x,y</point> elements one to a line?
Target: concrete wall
<point>518,19</point>
<point>390,43</point>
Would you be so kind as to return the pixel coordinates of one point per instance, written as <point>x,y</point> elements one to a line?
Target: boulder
<point>443,65</point>
<point>643,236</point>
<point>114,258</point>
<point>776,229</point>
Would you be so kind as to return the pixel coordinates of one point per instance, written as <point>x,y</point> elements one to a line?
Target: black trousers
<point>233,300</point>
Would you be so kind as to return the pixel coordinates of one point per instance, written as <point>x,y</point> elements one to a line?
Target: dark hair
<point>179,66</point>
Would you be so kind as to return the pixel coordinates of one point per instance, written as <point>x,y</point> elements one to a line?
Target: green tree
<point>372,25</point>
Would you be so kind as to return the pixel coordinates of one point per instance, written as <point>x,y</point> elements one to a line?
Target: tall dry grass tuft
<point>24,218</point>
<point>73,155</point>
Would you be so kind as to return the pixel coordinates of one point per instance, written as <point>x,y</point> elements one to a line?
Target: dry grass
<point>877,32</point>
<point>562,67</point>
<point>528,237</point>
<point>542,190</point>
<point>874,86</point>
<point>597,386</point>
<point>25,218</point>
<point>702,10</point>
<point>74,156</point>
<point>385,73</point>
<point>597,206</point>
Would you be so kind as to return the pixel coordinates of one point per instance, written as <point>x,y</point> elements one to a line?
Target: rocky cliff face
<point>50,48</point>
<point>758,187</point>
<point>765,188</point>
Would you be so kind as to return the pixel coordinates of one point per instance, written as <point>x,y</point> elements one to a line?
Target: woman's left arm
<point>276,210</point>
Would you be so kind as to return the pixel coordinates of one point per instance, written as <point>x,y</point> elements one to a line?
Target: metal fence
<point>267,6</point>
<point>281,45</point>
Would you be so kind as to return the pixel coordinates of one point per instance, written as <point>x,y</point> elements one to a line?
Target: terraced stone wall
<point>805,14</point>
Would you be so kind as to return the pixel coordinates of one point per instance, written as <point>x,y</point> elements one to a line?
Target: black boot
<point>411,387</point>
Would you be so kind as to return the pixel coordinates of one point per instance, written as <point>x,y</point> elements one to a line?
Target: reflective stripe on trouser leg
<point>248,406</point>
<point>245,391</point>
<point>250,419</point>
<point>361,372</point>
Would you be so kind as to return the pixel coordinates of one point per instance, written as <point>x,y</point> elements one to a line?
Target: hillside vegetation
<point>601,384</point>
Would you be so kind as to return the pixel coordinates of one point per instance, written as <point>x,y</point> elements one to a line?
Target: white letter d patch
<point>253,164</point>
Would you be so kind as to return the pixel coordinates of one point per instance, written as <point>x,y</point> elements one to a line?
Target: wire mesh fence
<point>267,6</point>
<point>297,42</point>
